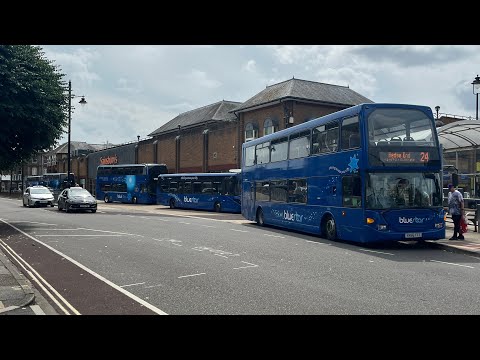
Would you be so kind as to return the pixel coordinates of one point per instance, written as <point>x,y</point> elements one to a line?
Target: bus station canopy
<point>459,134</point>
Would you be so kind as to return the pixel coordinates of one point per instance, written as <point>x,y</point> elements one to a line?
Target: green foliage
<point>33,103</point>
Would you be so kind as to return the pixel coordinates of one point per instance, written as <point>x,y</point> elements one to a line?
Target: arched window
<point>268,127</point>
<point>250,132</point>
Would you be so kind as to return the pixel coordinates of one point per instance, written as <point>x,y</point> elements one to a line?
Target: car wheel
<point>106,199</point>
<point>217,207</point>
<point>52,205</point>
<point>94,211</point>
<point>134,200</point>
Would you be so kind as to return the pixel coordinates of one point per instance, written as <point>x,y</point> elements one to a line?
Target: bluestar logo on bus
<point>404,220</point>
<point>352,166</point>
<point>186,199</point>
<point>287,215</point>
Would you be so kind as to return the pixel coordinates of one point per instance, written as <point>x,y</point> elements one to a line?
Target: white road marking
<point>316,242</point>
<point>277,236</point>
<point>32,222</point>
<point>151,286</point>
<point>49,229</point>
<point>191,275</point>
<point>226,257</point>
<point>244,231</point>
<point>37,310</point>
<point>443,262</point>
<point>123,286</point>
<point>115,286</point>
<point>162,220</point>
<point>244,267</point>
<point>210,226</point>
<point>378,252</point>
<point>182,222</point>
<point>110,232</point>
<point>75,235</point>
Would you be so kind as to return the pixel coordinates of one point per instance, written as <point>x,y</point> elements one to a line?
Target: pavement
<point>18,296</point>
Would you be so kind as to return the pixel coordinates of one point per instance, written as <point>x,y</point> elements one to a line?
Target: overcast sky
<point>134,89</point>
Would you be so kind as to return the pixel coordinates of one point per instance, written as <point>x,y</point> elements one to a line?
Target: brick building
<point>209,139</point>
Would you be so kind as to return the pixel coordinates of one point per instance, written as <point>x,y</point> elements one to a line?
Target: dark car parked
<point>76,198</point>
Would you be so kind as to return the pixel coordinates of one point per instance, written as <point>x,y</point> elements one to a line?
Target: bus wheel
<point>217,207</point>
<point>134,200</point>
<point>106,199</point>
<point>330,229</point>
<point>260,217</point>
<point>172,204</point>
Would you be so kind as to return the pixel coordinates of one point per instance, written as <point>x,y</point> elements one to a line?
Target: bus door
<point>351,219</point>
<point>248,200</point>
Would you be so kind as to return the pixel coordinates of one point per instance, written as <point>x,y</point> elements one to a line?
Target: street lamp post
<point>476,89</point>
<point>437,108</point>
<point>83,102</point>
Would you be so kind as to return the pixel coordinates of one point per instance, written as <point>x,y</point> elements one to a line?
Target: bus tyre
<point>330,229</point>
<point>106,199</point>
<point>172,204</point>
<point>217,207</point>
<point>260,217</point>
<point>134,200</point>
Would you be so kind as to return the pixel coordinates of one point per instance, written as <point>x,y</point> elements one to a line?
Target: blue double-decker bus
<point>128,183</point>
<point>368,173</point>
<point>202,191</point>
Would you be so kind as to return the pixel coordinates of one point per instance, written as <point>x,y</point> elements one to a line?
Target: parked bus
<point>368,173</point>
<point>202,191</point>
<point>128,183</point>
<point>56,182</point>
<point>33,180</point>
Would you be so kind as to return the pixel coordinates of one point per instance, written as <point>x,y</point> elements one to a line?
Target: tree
<point>33,103</point>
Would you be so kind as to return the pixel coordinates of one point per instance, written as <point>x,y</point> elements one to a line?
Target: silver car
<point>37,196</point>
<point>76,198</point>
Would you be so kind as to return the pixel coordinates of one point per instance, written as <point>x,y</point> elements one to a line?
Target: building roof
<point>305,90</point>
<point>459,134</point>
<point>214,112</point>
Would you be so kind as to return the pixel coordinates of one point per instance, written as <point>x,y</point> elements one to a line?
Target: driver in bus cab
<point>403,193</point>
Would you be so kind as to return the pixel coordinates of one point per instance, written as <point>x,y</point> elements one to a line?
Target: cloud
<point>133,89</point>
<point>250,66</point>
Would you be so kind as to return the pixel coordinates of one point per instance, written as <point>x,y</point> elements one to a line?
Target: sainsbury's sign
<point>109,160</point>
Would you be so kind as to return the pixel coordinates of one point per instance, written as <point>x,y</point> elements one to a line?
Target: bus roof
<point>200,174</point>
<point>351,111</point>
<point>123,165</point>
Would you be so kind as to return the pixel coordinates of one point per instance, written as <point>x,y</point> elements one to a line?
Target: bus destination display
<point>404,156</point>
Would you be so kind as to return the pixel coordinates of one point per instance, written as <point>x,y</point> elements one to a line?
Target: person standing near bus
<point>456,210</point>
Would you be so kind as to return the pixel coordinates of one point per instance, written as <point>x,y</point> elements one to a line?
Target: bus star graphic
<point>353,164</point>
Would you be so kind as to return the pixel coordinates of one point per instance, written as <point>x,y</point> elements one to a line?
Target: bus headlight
<point>370,221</point>
<point>445,217</point>
<point>438,225</point>
<point>382,227</point>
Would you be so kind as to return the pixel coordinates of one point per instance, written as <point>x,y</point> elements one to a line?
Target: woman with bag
<point>457,211</point>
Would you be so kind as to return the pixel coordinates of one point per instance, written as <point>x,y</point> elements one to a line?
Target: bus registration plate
<point>413,235</point>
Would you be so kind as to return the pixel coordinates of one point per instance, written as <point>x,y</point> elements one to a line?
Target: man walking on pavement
<point>456,210</point>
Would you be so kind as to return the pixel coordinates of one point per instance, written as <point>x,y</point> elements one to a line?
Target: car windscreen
<point>40,191</point>
<point>79,192</point>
